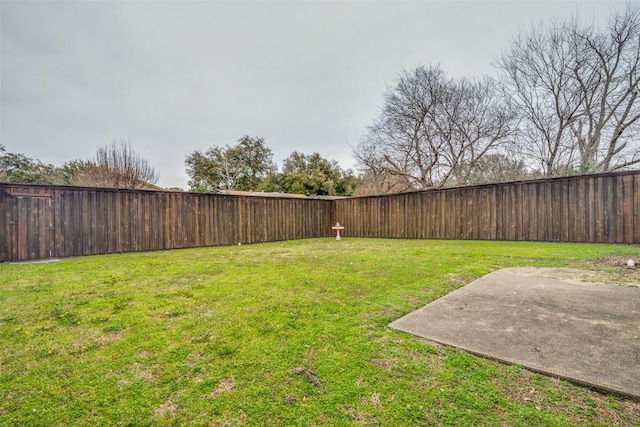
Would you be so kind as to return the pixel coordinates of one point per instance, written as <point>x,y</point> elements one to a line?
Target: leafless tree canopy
<point>576,89</point>
<point>567,103</point>
<point>433,130</point>
<point>115,166</point>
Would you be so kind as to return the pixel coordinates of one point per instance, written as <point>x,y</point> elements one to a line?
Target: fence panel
<point>39,222</point>
<point>602,208</point>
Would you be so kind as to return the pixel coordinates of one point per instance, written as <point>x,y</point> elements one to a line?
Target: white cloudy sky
<point>176,76</point>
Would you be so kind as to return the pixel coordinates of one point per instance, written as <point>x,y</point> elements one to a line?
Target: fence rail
<point>39,222</point>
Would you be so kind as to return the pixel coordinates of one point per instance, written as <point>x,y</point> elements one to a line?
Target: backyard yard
<point>287,333</point>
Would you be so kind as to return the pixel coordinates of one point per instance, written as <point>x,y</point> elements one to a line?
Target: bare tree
<point>499,167</point>
<point>114,166</point>
<point>380,183</point>
<point>479,124</point>
<point>432,129</point>
<point>576,89</point>
<point>539,80</point>
<point>607,70</point>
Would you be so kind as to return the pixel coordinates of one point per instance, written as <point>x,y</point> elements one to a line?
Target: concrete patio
<point>552,321</point>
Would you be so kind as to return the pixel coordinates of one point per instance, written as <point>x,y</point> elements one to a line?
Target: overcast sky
<point>173,77</point>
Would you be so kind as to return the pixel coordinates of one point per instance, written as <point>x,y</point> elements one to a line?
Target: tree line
<point>114,166</point>
<point>566,102</point>
<point>249,166</point>
<point>246,166</point>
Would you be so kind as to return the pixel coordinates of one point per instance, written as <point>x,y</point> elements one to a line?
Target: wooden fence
<point>39,222</point>
<point>602,208</point>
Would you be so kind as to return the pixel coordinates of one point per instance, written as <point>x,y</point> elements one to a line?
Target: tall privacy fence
<point>602,208</point>
<point>38,222</point>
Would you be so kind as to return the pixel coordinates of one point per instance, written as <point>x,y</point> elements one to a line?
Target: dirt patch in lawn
<point>613,269</point>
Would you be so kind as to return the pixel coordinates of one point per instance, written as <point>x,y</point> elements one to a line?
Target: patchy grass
<point>289,333</point>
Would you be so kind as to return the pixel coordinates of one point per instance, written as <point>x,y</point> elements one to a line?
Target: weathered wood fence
<point>39,222</point>
<point>602,208</point>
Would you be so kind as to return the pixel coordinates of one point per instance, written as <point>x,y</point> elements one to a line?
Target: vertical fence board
<point>14,229</point>
<point>619,212</point>
<point>608,229</point>
<point>5,227</point>
<point>627,209</point>
<point>22,225</point>
<point>636,208</point>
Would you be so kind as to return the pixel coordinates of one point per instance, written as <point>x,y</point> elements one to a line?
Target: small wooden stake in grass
<point>337,227</point>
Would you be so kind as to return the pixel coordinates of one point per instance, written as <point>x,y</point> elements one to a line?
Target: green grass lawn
<point>218,336</point>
